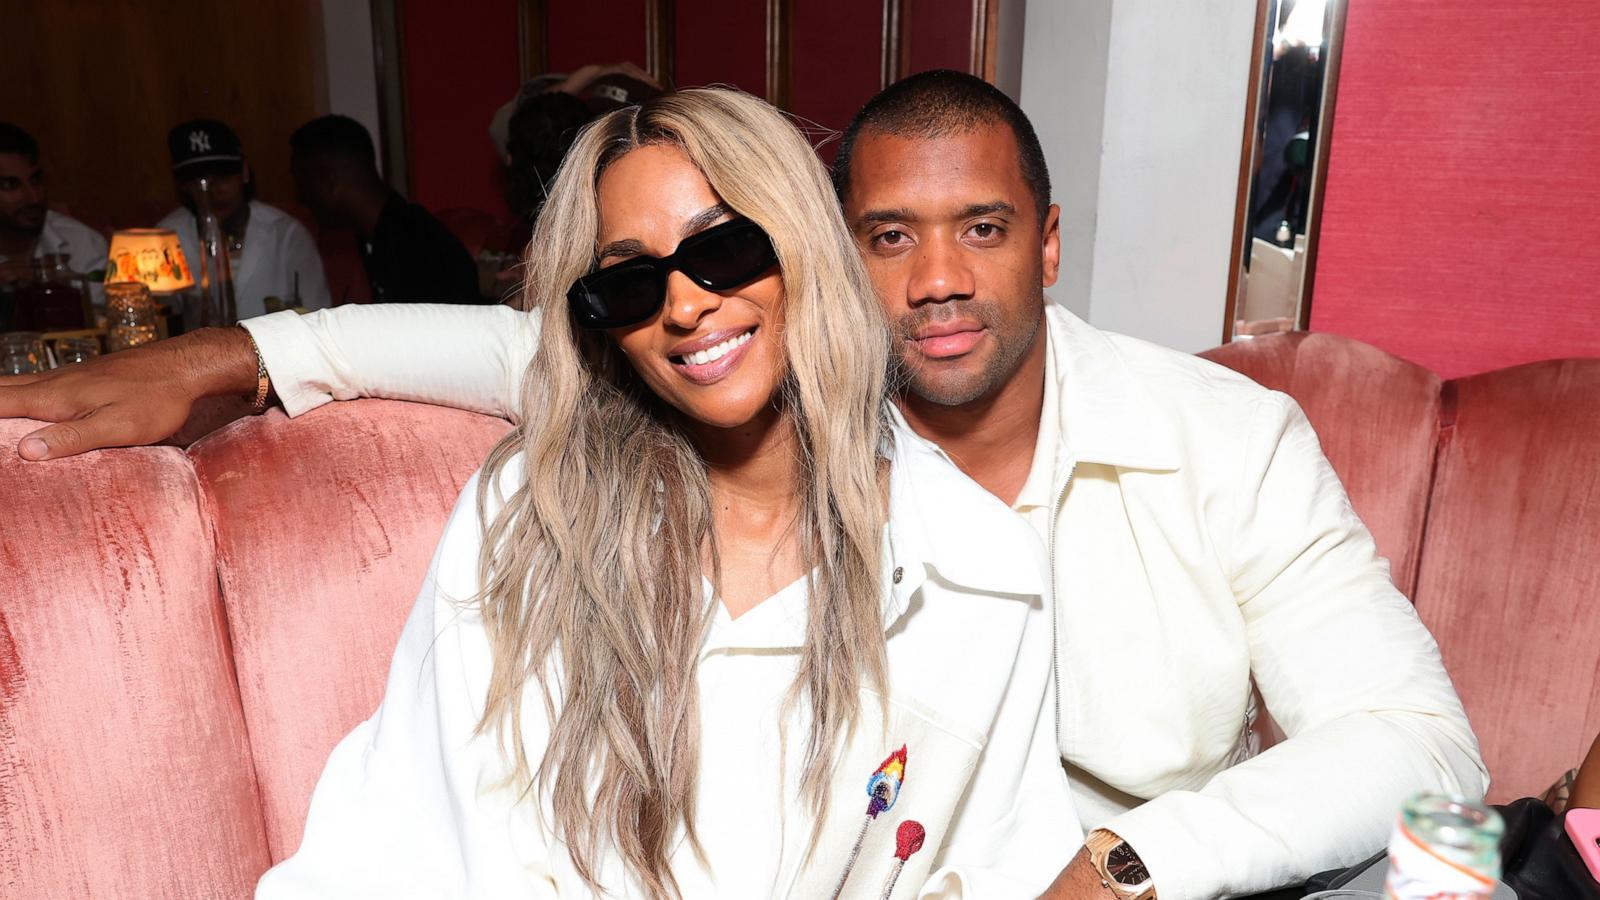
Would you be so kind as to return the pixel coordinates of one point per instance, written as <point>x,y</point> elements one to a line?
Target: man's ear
<point>1050,246</point>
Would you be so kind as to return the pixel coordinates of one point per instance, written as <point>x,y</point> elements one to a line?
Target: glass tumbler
<point>130,316</point>
<point>22,353</point>
<point>76,349</point>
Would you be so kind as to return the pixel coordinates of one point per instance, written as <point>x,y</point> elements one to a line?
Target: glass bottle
<point>1444,848</point>
<point>52,301</point>
<point>215,302</point>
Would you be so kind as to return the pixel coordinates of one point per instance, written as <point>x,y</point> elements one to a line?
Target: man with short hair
<point>1200,544</point>
<point>409,255</point>
<point>270,253</point>
<point>28,226</point>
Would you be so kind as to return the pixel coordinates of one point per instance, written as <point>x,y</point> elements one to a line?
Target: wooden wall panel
<point>838,49</point>
<point>99,83</point>
<point>825,55</point>
<point>579,32</point>
<point>722,43</point>
<point>458,71</point>
<point>938,35</point>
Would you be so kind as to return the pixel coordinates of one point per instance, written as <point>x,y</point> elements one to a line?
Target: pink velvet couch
<point>1484,494</point>
<point>185,634</point>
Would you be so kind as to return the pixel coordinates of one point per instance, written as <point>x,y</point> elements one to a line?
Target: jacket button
<point>899,573</point>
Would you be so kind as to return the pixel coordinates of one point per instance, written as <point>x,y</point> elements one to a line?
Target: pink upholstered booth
<point>185,635</point>
<point>1485,493</point>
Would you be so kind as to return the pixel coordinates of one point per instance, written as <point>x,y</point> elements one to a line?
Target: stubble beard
<point>1011,338</point>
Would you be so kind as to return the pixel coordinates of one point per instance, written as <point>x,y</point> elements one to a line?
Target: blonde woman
<point>709,623</point>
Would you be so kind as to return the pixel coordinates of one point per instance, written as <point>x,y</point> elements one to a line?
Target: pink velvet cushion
<point>124,767</point>
<point>325,526</point>
<point>1510,570</point>
<point>1377,418</point>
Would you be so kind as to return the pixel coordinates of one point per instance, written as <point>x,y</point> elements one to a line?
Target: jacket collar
<point>1108,413</point>
<point>935,525</point>
<point>930,535</point>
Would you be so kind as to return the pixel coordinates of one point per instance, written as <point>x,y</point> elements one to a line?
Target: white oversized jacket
<point>413,804</point>
<point>1199,544</point>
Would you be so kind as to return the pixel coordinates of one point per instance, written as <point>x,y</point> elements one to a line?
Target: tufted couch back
<point>1484,493</point>
<point>185,634</point>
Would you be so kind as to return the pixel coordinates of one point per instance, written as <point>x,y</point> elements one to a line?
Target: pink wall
<point>460,66</point>
<point>721,43</point>
<point>1461,228</point>
<point>580,32</point>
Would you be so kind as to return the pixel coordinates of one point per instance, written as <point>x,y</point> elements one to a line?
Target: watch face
<point>1125,867</point>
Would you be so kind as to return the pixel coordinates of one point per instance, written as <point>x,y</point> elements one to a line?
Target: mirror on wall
<point>1295,70</point>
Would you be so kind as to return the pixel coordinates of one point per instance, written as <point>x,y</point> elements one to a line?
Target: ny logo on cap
<point>199,142</point>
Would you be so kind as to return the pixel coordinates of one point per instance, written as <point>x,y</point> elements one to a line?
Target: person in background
<point>28,227</point>
<point>538,136</point>
<point>271,254</point>
<point>409,255</point>
<point>532,133</point>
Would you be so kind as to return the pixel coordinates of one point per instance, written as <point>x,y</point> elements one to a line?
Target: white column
<point>1140,106</point>
<point>352,75</point>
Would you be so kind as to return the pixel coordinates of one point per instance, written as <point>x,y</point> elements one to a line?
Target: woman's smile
<point>708,359</point>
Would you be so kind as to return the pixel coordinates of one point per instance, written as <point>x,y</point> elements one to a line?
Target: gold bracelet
<point>263,381</point>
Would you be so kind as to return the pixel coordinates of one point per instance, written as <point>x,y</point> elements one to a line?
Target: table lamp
<point>141,262</point>
<point>152,257</point>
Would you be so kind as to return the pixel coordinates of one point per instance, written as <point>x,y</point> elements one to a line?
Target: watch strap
<point>258,403</point>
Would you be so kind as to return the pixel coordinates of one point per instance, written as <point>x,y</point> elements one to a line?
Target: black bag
<point>1538,858</point>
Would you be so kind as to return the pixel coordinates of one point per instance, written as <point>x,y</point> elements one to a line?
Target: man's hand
<point>139,396</point>
<point>1078,881</point>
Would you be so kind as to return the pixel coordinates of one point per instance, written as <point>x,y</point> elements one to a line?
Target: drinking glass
<point>130,316</point>
<point>76,349</point>
<point>22,353</point>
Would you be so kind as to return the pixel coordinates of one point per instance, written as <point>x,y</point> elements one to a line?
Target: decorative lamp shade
<point>151,256</point>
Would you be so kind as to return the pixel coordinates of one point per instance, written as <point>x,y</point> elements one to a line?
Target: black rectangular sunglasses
<point>718,259</point>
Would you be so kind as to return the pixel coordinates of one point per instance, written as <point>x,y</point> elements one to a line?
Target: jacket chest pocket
<point>895,790</point>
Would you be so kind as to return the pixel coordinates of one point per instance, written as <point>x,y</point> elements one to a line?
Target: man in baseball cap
<point>534,130</point>
<point>272,254</point>
<point>601,88</point>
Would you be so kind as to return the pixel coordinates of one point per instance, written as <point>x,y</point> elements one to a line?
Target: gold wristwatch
<point>1121,870</point>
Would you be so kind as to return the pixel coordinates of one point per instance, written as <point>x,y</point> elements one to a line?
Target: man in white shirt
<point>1200,544</point>
<point>271,253</point>
<point>28,227</point>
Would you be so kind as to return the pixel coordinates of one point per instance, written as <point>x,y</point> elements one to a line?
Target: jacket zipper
<point>1055,613</point>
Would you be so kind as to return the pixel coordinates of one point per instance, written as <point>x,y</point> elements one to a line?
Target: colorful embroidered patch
<point>908,839</point>
<point>883,788</point>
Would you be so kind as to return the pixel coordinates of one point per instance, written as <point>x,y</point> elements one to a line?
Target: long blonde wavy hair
<point>592,566</point>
